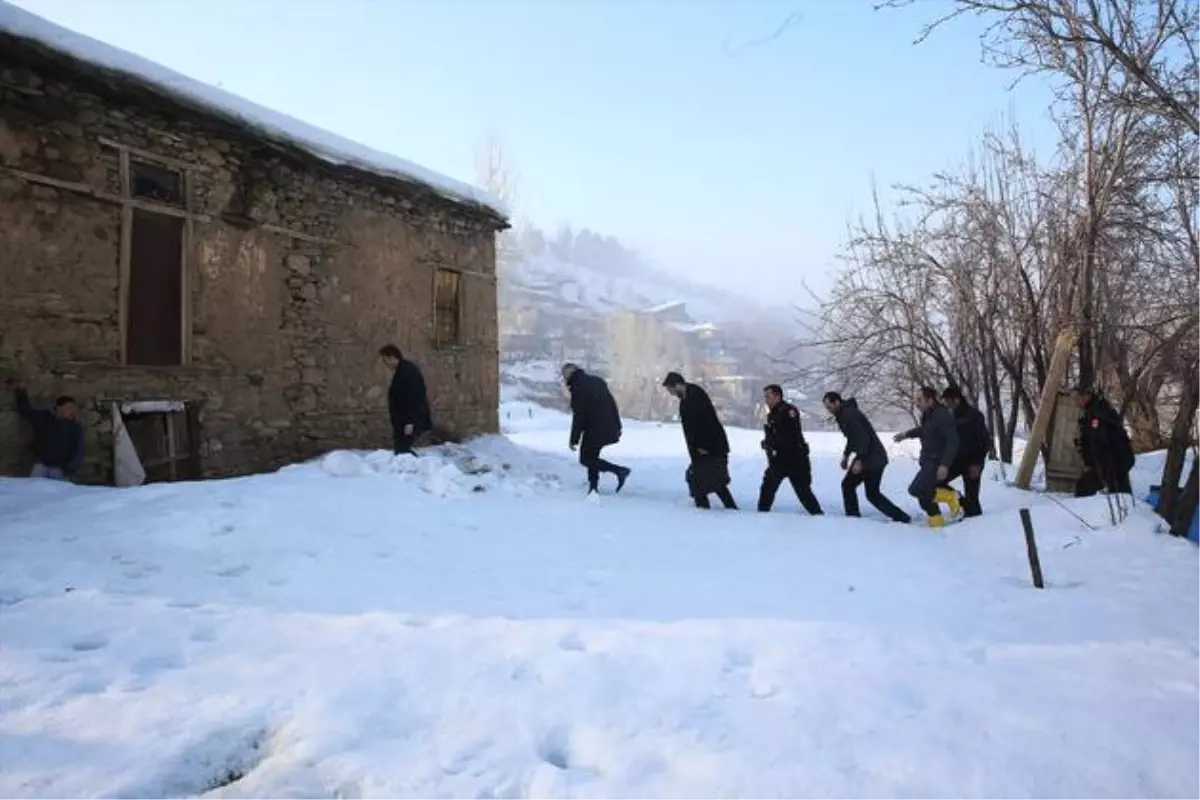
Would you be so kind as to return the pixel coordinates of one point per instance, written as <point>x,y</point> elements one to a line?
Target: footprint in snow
<point>203,635</point>
<point>89,644</point>
<point>572,643</point>
<point>234,572</point>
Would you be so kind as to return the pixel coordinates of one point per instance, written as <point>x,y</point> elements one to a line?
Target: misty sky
<point>648,121</point>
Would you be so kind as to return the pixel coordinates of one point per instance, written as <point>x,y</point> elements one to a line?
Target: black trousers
<point>971,488</point>
<point>709,475</point>
<point>1094,478</point>
<point>589,456</point>
<point>402,443</point>
<point>871,479</point>
<point>795,474</point>
<point>923,487</point>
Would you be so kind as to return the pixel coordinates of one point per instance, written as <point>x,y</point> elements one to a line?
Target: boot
<point>937,521</point>
<point>950,498</point>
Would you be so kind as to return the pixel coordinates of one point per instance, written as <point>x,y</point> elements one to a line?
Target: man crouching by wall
<point>57,436</point>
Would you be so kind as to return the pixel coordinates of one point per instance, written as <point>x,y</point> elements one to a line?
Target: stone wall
<point>287,308</point>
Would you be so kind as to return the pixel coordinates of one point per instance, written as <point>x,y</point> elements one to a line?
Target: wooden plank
<point>169,419</point>
<point>124,257</point>
<point>166,161</point>
<point>186,264</point>
<point>1041,421</point>
<point>91,191</point>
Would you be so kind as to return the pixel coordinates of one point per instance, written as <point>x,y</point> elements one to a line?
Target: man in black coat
<point>787,453</point>
<point>974,444</point>
<point>870,458</point>
<point>57,436</point>
<point>408,402</point>
<point>595,424</point>
<point>939,448</point>
<point>1105,446</point>
<point>707,444</point>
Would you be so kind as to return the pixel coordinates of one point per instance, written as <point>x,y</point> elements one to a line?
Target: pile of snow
<point>271,124</point>
<point>370,625</point>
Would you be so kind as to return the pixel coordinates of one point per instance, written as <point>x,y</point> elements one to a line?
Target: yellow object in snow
<point>950,498</point>
<point>937,521</point>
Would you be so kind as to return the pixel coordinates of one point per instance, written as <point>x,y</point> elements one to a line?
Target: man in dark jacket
<point>57,437</point>
<point>408,402</point>
<point>787,453</point>
<point>870,458</point>
<point>1104,444</point>
<point>707,444</point>
<point>939,447</point>
<point>974,444</point>
<point>595,424</point>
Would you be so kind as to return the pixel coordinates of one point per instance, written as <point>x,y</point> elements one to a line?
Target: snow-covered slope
<point>465,624</point>
<point>573,286</point>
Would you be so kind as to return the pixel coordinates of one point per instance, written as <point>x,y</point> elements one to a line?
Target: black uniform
<point>974,443</point>
<point>1107,452</point>
<point>787,458</point>
<point>595,424</point>
<point>408,404</point>
<point>870,455</point>
<point>939,448</point>
<point>708,447</point>
<point>57,442</point>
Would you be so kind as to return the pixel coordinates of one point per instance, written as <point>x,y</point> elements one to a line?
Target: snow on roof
<point>671,306</point>
<point>271,124</point>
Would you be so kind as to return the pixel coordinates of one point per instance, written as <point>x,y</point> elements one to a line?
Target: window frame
<point>438,309</point>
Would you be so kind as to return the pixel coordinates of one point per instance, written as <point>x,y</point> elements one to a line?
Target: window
<point>445,307</point>
<point>154,335</point>
<point>150,182</point>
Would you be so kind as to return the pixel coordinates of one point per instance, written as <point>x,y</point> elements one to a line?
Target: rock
<point>298,263</point>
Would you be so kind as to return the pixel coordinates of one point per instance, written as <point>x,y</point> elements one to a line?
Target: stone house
<point>219,274</point>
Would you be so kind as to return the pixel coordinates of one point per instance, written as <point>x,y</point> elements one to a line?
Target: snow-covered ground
<point>465,624</point>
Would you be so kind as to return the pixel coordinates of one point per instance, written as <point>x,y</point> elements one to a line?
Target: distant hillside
<point>586,298</point>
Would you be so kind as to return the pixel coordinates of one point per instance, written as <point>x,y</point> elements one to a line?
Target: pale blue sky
<point>626,117</point>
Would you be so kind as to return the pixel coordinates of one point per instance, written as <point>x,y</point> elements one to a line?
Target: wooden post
<point>1035,564</point>
<point>1041,421</point>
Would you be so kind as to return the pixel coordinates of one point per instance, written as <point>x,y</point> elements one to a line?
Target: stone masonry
<point>296,272</point>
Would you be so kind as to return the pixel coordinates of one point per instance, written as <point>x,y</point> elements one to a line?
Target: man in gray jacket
<point>939,447</point>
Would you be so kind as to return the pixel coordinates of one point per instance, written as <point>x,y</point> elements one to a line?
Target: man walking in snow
<point>787,453</point>
<point>595,424</point>
<point>974,444</point>
<point>707,444</point>
<point>870,458</point>
<point>408,401</point>
<point>57,436</point>
<point>1104,445</point>
<point>939,447</point>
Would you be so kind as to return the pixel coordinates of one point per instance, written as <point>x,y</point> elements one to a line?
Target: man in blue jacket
<point>57,437</point>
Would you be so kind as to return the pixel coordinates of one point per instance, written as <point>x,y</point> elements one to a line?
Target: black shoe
<point>622,476</point>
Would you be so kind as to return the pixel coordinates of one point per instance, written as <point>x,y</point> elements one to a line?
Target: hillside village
<point>587,299</point>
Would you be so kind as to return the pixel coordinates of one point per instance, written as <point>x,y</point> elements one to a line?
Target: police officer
<point>787,453</point>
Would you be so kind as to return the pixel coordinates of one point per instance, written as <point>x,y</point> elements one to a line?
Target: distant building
<point>165,241</point>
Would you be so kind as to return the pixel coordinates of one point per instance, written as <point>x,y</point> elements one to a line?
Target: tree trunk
<point>1145,430</point>
<point>1177,450</point>
<point>1186,507</point>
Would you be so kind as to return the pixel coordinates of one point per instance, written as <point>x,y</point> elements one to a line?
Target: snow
<point>152,406</point>
<point>465,624</point>
<point>272,124</point>
<point>594,291</point>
